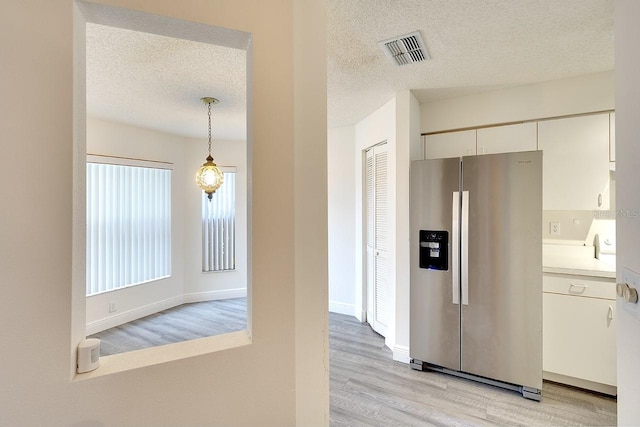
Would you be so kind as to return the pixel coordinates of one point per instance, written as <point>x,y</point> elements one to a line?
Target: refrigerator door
<point>502,285</point>
<point>435,308</point>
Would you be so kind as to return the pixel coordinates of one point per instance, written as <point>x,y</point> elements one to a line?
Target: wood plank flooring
<point>181,323</point>
<point>367,388</point>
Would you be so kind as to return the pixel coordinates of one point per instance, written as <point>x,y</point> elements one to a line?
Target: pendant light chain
<point>209,176</point>
<point>209,128</point>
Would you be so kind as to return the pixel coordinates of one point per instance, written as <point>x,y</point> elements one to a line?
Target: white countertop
<point>582,267</point>
<point>574,260</point>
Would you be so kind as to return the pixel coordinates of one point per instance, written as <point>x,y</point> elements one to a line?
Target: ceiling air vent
<point>405,49</point>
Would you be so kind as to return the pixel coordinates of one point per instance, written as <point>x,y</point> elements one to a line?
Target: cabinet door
<point>508,139</point>
<point>576,162</point>
<point>450,144</point>
<point>579,337</point>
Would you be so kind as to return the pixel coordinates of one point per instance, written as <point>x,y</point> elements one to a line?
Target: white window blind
<point>219,226</point>
<point>128,225</point>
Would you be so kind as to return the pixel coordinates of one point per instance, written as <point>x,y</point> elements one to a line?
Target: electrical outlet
<point>554,228</point>
<point>113,307</point>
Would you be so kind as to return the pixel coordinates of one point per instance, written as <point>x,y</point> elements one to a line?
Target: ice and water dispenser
<point>434,249</point>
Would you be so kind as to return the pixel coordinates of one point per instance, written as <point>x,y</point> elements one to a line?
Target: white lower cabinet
<point>579,331</point>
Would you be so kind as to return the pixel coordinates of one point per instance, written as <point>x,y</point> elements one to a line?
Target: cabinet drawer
<point>581,286</point>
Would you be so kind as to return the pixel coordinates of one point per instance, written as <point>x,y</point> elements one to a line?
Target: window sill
<point>167,353</point>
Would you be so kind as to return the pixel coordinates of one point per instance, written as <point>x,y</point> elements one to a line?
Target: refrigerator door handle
<point>455,250</point>
<point>464,271</point>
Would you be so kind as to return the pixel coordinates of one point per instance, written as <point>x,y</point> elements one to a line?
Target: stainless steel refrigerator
<point>476,268</point>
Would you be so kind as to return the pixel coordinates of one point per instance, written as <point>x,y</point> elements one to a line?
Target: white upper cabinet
<point>508,139</point>
<point>575,162</point>
<point>450,144</point>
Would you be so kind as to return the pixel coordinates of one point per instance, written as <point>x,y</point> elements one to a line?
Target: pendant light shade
<point>209,177</point>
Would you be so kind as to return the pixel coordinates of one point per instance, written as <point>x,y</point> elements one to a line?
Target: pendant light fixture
<point>209,177</point>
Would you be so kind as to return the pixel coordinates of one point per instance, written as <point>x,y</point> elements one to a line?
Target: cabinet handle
<point>581,290</point>
<point>599,200</point>
<point>610,314</point>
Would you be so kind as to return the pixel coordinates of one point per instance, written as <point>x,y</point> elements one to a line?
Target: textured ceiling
<point>156,82</point>
<point>474,45</point>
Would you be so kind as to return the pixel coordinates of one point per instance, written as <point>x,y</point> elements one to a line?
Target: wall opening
<point>135,127</point>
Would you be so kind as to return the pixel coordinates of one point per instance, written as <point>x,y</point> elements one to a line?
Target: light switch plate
<point>632,279</point>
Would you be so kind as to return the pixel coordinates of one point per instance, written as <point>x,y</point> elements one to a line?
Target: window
<point>219,226</point>
<point>128,224</point>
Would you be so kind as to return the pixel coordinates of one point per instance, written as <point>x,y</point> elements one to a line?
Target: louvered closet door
<point>378,284</point>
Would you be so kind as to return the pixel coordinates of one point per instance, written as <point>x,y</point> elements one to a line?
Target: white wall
<point>341,219</point>
<point>199,286</point>
<point>259,383</point>
<point>310,206</point>
<point>113,139</point>
<point>398,123</point>
<point>627,34</point>
<point>408,147</point>
<point>584,94</point>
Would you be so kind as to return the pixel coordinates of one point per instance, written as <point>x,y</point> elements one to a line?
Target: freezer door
<point>501,279</point>
<point>435,308</point>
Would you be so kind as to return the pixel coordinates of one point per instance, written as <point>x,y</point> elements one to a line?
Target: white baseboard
<point>214,295</point>
<point>131,315</point>
<point>342,308</point>
<point>401,354</point>
<point>578,382</point>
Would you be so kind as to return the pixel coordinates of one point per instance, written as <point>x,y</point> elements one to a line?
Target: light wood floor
<point>182,323</point>
<point>367,388</point>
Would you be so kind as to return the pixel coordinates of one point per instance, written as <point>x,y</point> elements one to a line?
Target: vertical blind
<point>128,226</point>
<point>219,227</point>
